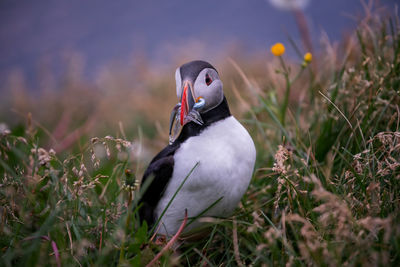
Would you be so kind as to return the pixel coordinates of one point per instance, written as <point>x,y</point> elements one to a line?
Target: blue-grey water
<point>48,32</point>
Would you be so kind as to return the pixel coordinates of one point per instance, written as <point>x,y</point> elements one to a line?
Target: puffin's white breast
<point>226,156</point>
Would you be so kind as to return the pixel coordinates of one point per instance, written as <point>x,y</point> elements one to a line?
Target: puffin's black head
<point>198,86</point>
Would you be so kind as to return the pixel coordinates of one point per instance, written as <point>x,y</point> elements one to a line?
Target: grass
<point>326,189</point>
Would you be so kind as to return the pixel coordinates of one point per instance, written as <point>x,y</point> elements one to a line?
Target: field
<point>326,186</point>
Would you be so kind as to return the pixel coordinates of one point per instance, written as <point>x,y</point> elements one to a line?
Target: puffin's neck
<point>192,129</point>
<point>219,113</point>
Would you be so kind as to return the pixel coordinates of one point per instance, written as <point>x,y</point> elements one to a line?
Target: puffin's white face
<point>206,85</point>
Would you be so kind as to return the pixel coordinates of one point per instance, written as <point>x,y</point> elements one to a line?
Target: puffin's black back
<point>162,165</point>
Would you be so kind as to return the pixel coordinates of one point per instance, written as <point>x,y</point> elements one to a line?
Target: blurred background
<point>46,35</point>
<point>79,69</point>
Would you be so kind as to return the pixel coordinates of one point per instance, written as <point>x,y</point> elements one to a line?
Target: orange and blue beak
<point>185,111</point>
<point>187,100</point>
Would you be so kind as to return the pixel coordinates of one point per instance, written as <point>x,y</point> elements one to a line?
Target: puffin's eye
<point>208,79</point>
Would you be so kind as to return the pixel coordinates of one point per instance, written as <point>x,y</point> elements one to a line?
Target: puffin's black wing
<point>160,168</point>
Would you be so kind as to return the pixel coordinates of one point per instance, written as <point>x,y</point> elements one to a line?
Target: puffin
<point>207,166</point>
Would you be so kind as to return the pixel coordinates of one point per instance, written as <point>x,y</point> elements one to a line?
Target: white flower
<point>4,129</point>
<point>289,4</point>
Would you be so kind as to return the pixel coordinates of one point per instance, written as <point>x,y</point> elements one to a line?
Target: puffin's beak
<point>187,100</point>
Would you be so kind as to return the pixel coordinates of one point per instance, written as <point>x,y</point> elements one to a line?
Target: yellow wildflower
<point>308,57</point>
<point>278,49</point>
